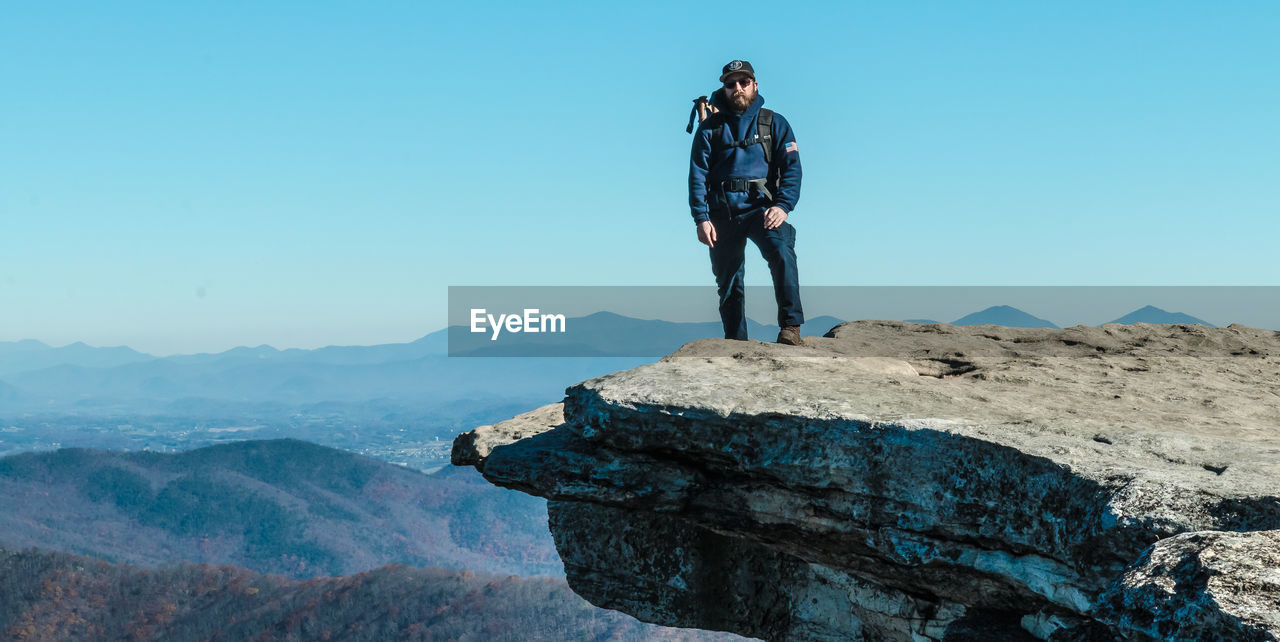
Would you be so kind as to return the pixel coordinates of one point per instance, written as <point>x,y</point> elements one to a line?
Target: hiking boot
<point>790,336</point>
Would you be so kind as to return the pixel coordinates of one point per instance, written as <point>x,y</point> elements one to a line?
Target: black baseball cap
<point>737,67</point>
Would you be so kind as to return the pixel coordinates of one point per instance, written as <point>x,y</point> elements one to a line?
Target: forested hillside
<point>279,506</point>
<point>57,596</point>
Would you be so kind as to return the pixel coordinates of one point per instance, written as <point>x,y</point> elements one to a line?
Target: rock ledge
<point>900,481</point>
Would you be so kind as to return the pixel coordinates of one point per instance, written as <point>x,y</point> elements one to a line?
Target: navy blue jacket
<point>707,169</point>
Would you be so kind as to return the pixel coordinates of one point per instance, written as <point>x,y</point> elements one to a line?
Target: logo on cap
<point>735,65</point>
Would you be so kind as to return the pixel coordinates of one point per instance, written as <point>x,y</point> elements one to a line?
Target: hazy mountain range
<point>1013,317</point>
<point>607,332</point>
<point>418,375</point>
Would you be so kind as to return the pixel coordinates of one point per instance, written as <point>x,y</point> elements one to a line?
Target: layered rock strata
<point>899,481</point>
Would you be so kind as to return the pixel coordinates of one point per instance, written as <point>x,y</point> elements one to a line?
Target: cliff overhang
<point>899,481</point>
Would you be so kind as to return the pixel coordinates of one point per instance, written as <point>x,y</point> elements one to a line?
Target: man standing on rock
<point>744,180</point>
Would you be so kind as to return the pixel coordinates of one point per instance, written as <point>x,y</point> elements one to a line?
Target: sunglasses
<point>731,83</point>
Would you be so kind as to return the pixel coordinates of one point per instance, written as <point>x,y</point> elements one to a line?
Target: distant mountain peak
<point>24,345</point>
<point>1152,314</point>
<point>1004,315</point>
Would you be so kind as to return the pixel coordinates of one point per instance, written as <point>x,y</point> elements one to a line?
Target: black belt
<point>746,185</point>
<point>741,184</point>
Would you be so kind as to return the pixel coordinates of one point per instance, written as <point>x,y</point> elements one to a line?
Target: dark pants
<point>777,246</point>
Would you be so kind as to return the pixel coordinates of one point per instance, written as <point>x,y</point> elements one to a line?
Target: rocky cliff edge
<point>901,481</point>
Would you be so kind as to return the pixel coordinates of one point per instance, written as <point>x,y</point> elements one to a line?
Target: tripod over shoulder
<point>702,109</point>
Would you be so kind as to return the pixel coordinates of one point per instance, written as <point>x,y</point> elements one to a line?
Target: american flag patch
<point>792,147</point>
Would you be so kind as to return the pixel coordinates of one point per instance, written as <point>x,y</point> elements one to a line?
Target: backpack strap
<point>764,133</point>
<point>716,122</point>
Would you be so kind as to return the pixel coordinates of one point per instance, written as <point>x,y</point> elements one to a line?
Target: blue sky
<point>184,177</point>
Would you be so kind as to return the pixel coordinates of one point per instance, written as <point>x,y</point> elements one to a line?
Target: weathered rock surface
<point>898,481</point>
<point>472,448</point>
<point>1198,586</point>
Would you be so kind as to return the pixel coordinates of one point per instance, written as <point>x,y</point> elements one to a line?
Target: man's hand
<point>707,233</point>
<point>773,217</point>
